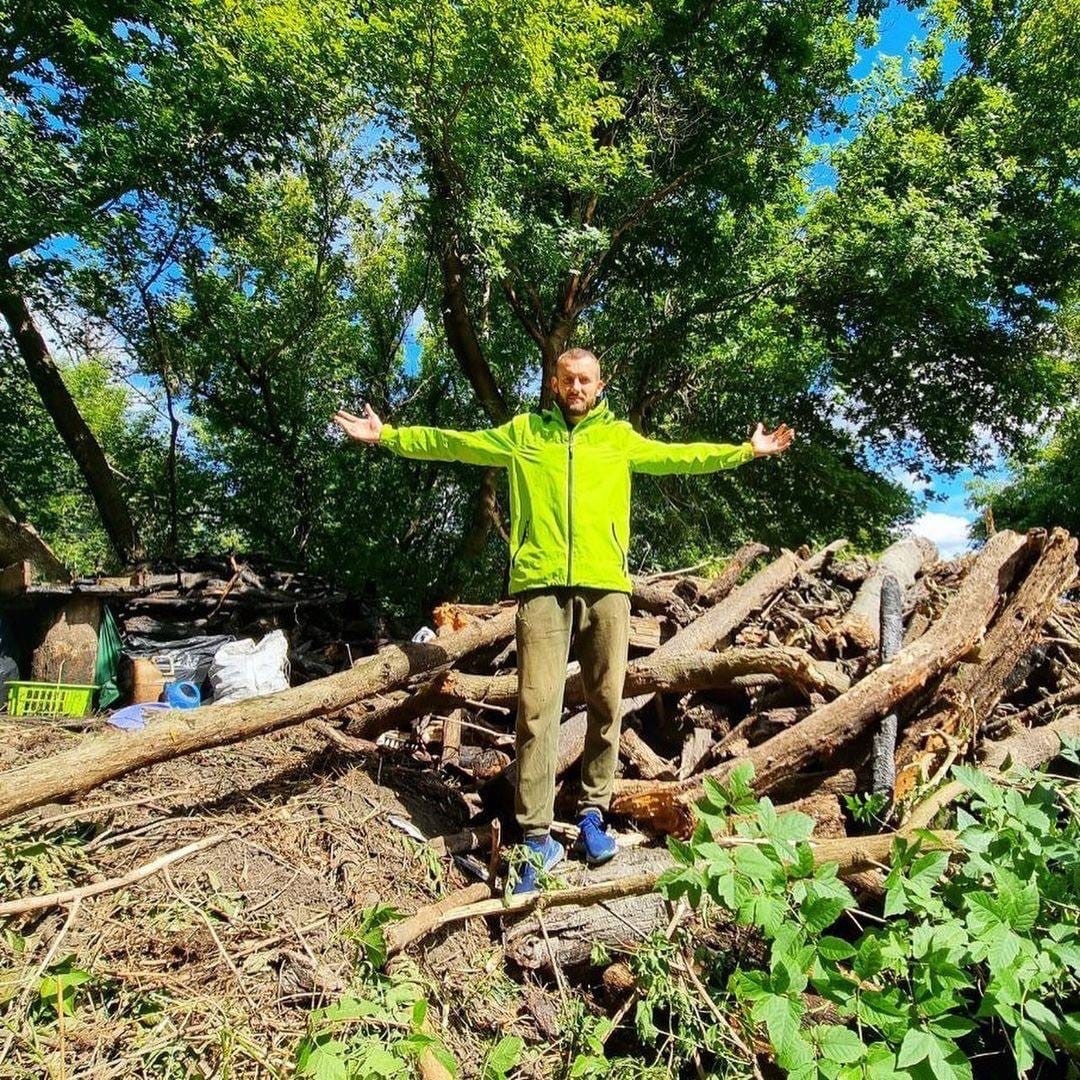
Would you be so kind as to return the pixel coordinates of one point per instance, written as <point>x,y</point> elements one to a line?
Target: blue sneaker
<point>593,838</point>
<point>546,851</point>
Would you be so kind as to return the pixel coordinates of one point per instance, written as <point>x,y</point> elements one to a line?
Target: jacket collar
<point>598,413</point>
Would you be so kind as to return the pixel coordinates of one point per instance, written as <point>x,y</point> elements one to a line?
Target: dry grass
<point>211,968</point>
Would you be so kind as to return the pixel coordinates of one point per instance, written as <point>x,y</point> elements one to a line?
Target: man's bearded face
<point>576,385</point>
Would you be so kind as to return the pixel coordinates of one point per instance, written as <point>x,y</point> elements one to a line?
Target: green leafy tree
<point>103,100</point>
<point>953,236</point>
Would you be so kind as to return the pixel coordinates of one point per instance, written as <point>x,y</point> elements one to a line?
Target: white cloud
<point>950,532</point>
<point>908,480</point>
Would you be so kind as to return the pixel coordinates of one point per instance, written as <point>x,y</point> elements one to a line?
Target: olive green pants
<point>547,619</point>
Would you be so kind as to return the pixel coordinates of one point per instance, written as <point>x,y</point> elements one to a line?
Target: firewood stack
<point>827,674</point>
<point>831,676</point>
<point>784,669</point>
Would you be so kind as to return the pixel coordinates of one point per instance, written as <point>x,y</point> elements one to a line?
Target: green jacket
<point>569,488</point>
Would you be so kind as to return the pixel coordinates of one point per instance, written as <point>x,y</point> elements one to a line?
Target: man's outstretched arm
<point>659,458</point>
<point>492,446</point>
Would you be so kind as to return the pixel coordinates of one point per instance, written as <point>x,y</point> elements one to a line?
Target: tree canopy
<point>268,211</point>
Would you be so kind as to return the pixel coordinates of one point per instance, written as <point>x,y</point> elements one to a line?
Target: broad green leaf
<point>781,1015</point>
<point>834,948</point>
<point>378,1061</point>
<point>821,912</point>
<point>326,1062</point>
<point>755,864</point>
<point>917,1046</point>
<point>502,1057</point>
<point>838,1043</point>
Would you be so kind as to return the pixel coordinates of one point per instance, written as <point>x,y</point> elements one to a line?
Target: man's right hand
<point>365,429</point>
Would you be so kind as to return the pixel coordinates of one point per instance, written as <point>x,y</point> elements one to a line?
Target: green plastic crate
<point>48,699</point>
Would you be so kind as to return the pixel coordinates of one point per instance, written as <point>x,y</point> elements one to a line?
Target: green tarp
<point>108,659</point>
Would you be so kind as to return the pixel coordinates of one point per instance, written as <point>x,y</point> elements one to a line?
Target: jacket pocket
<point>622,553</point>
<point>521,544</point>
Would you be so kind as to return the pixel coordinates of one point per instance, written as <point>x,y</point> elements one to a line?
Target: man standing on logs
<point>570,471</point>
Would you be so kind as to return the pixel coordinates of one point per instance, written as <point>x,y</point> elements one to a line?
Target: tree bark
<point>904,560</point>
<point>728,578</point>
<point>655,673</point>
<point>68,652</point>
<point>968,695</point>
<point>570,932</point>
<point>461,335</point>
<point>643,757</point>
<point>80,440</point>
<point>837,723</point>
<point>659,600</point>
<point>115,754</point>
<point>891,637</point>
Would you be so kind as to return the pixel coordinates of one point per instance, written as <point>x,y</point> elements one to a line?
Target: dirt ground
<point>212,967</point>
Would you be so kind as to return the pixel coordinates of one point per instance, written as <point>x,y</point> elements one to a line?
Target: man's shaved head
<point>576,383</point>
<point>578,354</point>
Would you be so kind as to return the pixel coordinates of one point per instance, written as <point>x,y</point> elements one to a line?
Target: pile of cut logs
<point>833,676</point>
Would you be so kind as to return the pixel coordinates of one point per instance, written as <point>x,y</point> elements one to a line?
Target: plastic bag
<point>243,669</point>
<point>184,660</point>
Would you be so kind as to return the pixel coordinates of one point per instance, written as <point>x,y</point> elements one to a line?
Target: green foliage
<point>57,987</point>
<point>988,945</point>
<point>40,479</point>
<point>261,202</point>
<point>1042,491</point>
<point>501,1058</point>
<point>867,809</point>
<point>952,235</point>
<point>379,1029</point>
<point>39,860</point>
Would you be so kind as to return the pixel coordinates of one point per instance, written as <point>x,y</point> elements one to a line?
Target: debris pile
<point>832,676</point>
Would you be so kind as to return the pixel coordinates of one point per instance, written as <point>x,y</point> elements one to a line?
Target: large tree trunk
<point>118,753</point>
<point>73,429</point>
<point>567,935</point>
<point>461,334</point>
<point>68,652</point>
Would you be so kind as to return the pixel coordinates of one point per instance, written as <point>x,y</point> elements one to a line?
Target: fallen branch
<point>663,671</point>
<point>68,896</point>
<point>734,569</point>
<point>427,918</point>
<point>1029,748</point>
<point>903,560</point>
<point>851,854</point>
<point>970,693</point>
<point>184,731</point>
<point>840,721</point>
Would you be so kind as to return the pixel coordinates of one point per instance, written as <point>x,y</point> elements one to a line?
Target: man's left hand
<point>771,442</point>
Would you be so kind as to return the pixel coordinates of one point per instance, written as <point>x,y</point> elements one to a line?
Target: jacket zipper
<point>521,544</point>
<point>570,507</point>
<point>615,537</point>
